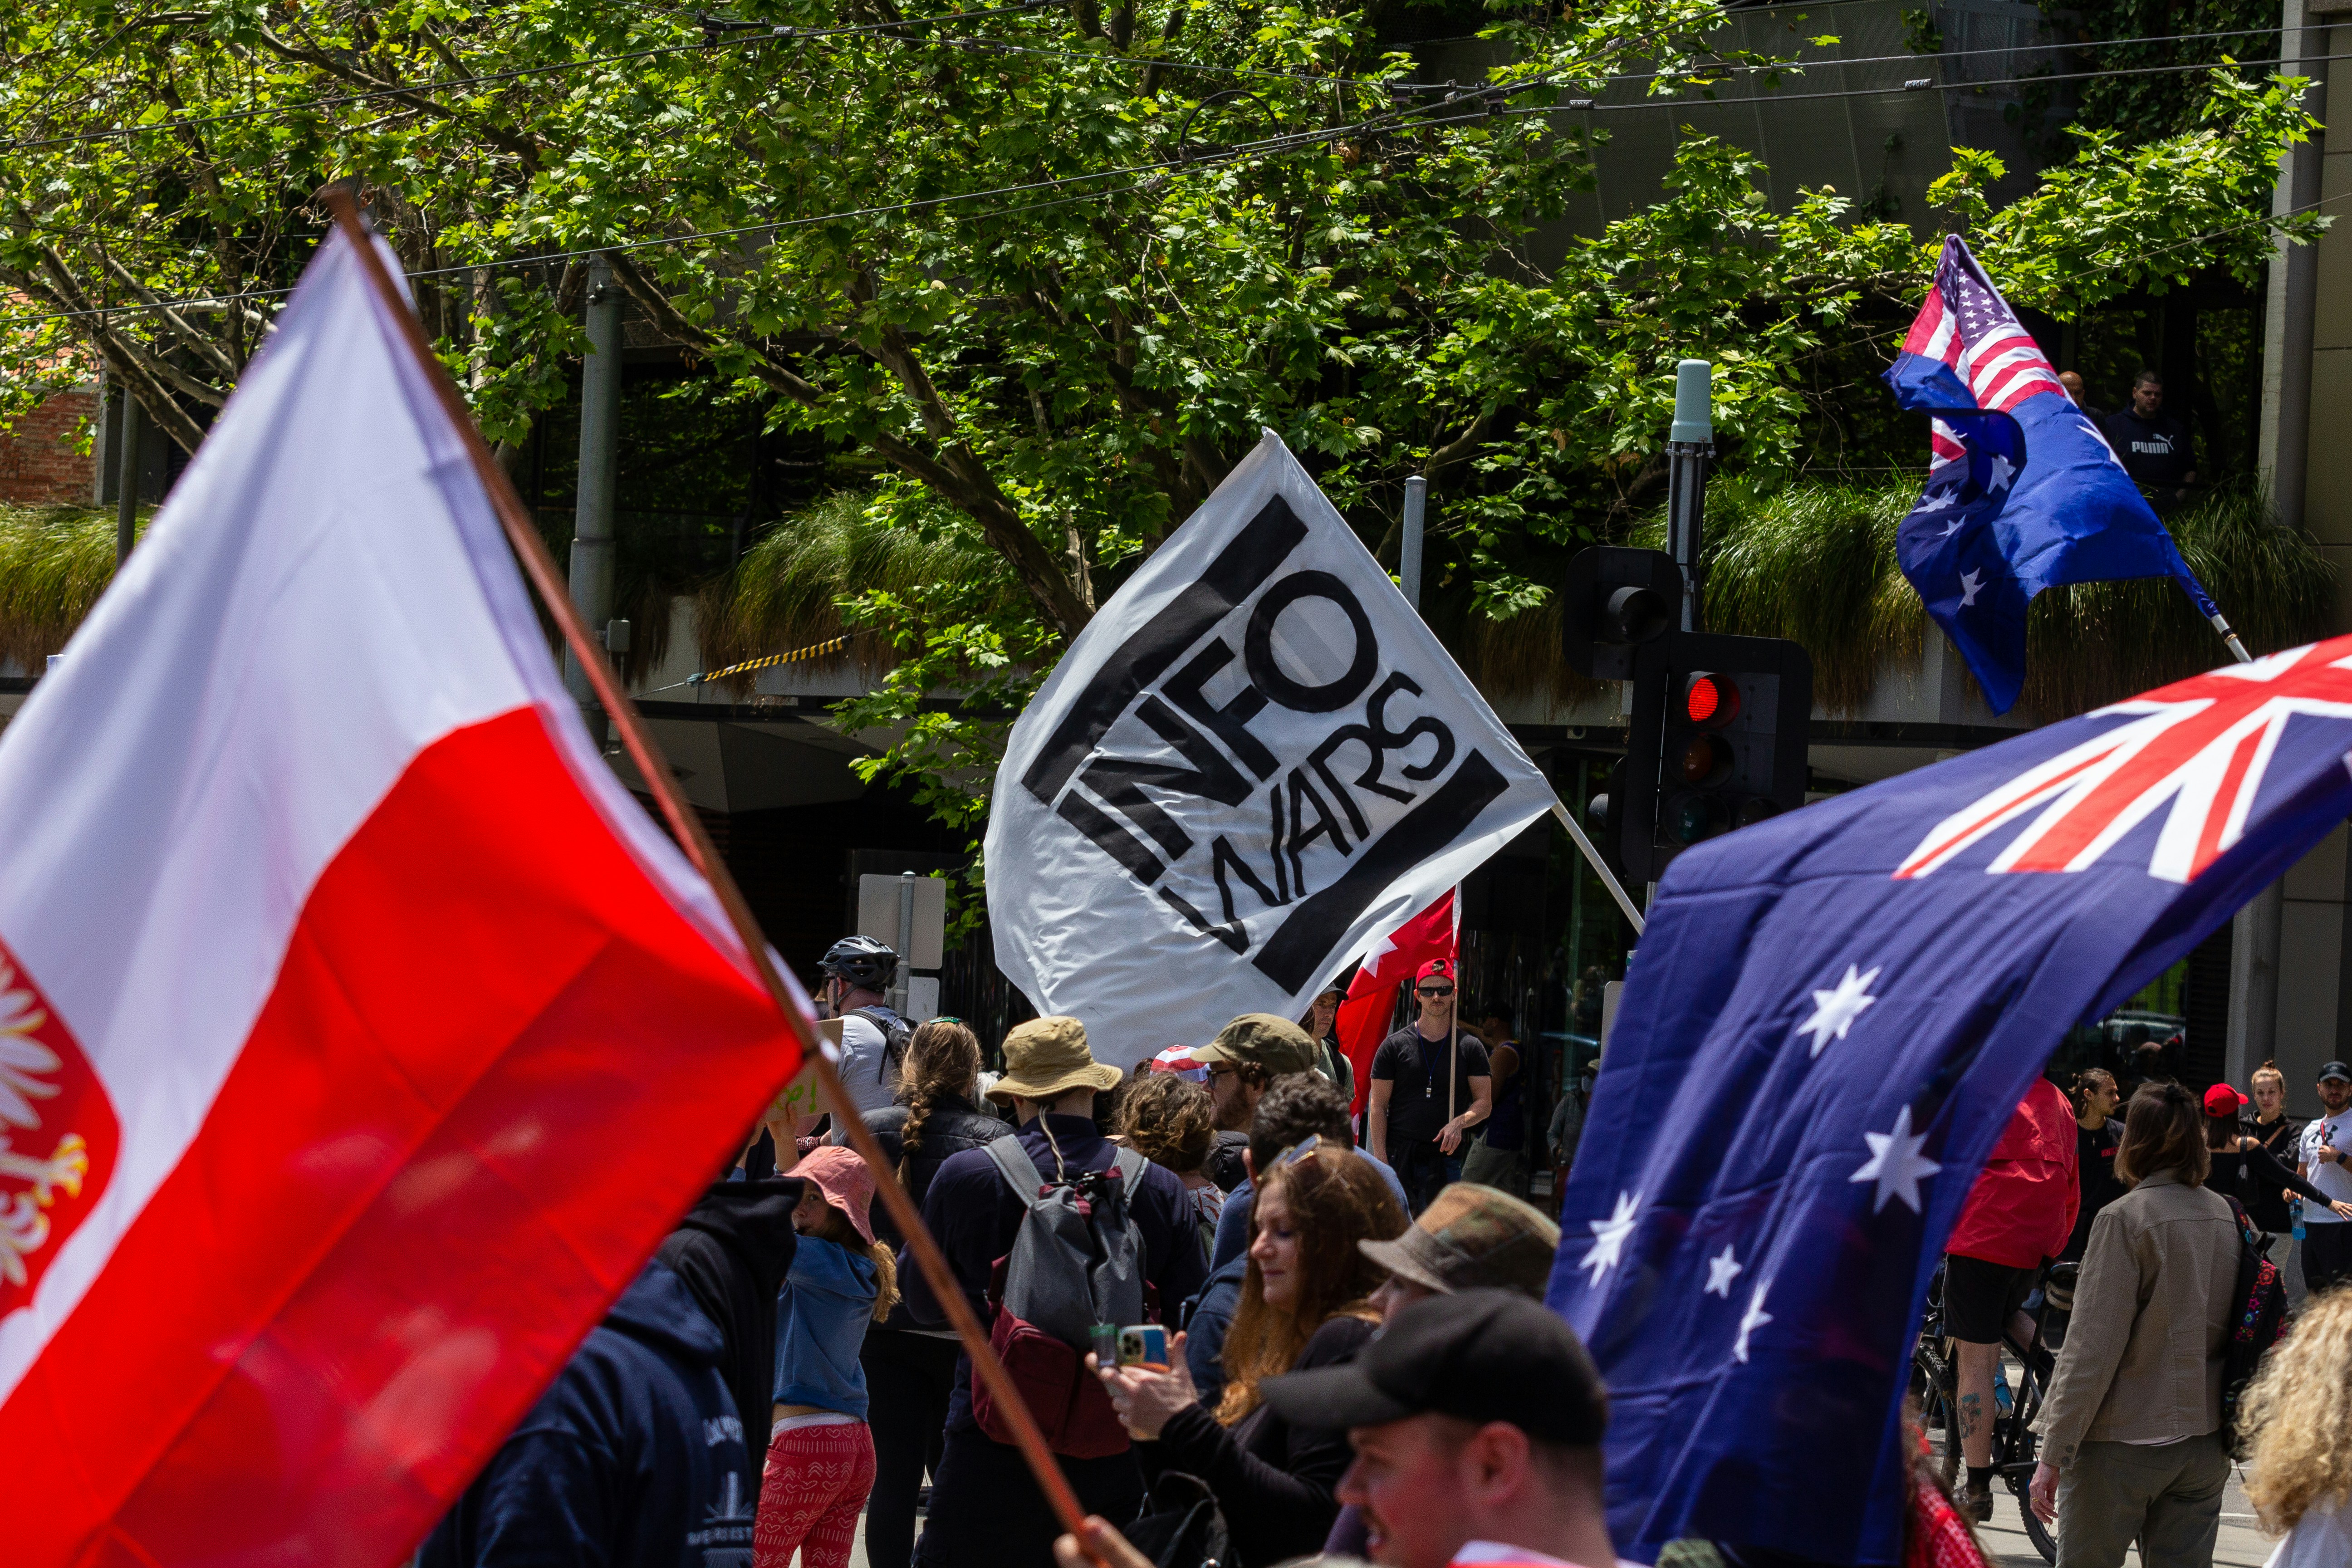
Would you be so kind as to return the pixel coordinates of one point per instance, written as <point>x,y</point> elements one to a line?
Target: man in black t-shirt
<point>2152,445</point>
<point>1431,1084</point>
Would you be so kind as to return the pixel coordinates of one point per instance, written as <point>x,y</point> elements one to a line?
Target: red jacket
<point>2022,1209</point>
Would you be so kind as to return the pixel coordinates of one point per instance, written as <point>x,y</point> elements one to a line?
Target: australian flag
<point>2023,493</point>
<point>1831,1019</point>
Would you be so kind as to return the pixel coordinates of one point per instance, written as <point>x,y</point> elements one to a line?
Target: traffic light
<point>1717,742</point>
<point>1615,600</point>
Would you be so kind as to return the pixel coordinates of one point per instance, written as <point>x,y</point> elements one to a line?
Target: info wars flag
<point>359,1034</point>
<point>1254,761</point>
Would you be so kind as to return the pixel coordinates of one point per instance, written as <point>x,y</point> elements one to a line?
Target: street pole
<point>2255,936</point>
<point>1416,506</point>
<point>1690,441</point>
<point>126,480</point>
<point>903,981</point>
<point>599,436</point>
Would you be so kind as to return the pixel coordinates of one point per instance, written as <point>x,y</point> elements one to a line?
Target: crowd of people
<point>2143,1263</point>
<point>1257,1322</point>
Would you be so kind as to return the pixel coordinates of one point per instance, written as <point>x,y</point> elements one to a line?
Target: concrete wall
<point>2328,491</point>
<point>2315,1021</point>
<point>2315,1002</point>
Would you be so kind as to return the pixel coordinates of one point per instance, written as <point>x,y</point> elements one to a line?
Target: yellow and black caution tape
<point>815,650</point>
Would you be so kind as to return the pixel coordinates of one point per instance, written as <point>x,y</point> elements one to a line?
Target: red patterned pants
<point>810,1494</point>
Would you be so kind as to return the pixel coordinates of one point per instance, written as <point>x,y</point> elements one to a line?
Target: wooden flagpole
<point>539,566</point>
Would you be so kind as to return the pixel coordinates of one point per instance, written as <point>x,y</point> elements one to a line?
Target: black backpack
<point>895,1033</point>
<point>2258,1319</point>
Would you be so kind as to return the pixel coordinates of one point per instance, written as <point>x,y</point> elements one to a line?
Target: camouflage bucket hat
<point>1473,1238</point>
<point>1261,1040</point>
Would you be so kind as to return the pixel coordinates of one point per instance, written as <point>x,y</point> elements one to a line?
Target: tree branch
<point>1463,448</point>
<point>527,149</point>
<point>201,342</point>
<point>123,357</point>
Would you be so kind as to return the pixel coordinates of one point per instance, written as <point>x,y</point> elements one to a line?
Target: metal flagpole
<point>2220,623</point>
<point>686,827</point>
<point>1593,856</point>
<point>127,476</point>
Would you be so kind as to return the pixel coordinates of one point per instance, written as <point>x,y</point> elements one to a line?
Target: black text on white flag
<point>1255,758</point>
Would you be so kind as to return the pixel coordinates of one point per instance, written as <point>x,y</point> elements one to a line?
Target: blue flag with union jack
<point>2022,493</point>
<point>1828,1022</point>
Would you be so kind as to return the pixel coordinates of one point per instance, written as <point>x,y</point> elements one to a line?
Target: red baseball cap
<point>2222,1100</point>
<point>1441,968</point>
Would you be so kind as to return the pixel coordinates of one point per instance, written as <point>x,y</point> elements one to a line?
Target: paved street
<point>2241,1544</point>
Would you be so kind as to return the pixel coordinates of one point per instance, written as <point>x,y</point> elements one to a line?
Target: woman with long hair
<point>2094,1097</point>
<point>840,1281</point>
<point>2131,1435</point>
<point>910,1370</point>
<point>2299,1410</point>
<point>2281,1134</point>
<point>1306,1302</point>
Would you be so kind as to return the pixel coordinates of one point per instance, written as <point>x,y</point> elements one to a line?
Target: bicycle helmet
<point>860,960</point>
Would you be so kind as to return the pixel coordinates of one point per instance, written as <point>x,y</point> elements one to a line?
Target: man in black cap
<point>1476,1419</point>
<point>2326,1147</point>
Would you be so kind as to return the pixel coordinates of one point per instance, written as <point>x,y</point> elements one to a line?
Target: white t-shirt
<point>871,1080</point>
<point>2329,1177</point>
<point>2322,1538</point>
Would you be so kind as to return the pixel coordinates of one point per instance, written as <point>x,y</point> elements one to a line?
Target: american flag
<point>1968,325</point>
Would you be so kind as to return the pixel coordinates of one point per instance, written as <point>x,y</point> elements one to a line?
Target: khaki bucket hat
<point>1473,1238</point>
<point>1045,1058</point>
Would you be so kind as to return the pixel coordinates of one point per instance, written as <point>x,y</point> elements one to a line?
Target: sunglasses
<point>1437,990</point>
<point>1305,1149</point>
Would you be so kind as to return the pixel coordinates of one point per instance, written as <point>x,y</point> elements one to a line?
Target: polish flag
<point>1393,961</point>
<point>359,1034</point>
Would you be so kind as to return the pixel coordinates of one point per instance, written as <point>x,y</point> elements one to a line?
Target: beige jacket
<point>2142,1361</point>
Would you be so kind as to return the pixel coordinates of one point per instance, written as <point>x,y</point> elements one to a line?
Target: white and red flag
<point>360,1034</point>
<point>1393,961</point>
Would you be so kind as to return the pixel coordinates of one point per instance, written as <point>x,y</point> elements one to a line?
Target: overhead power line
<point>1486,103</point>
<point>284,111</point>
<point>1917,84</point>
<point>744,33</point>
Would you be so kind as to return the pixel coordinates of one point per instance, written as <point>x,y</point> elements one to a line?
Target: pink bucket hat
<point>845,1179</point>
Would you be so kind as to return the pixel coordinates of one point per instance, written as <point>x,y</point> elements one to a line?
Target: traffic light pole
<point>1689,443</point>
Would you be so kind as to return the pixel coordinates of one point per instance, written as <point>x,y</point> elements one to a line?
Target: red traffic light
<point>1711,701</point>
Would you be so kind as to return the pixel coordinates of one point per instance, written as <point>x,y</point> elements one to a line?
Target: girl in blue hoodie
<point>820,1453</point>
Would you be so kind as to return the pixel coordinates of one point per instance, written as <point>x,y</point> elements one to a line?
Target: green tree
<point>1046,271</point>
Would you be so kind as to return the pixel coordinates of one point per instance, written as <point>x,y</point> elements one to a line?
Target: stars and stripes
<point>1968,325</point>
<point>2022,492</point>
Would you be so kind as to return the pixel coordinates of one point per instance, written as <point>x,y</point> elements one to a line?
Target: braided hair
<point>942,1060</point>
